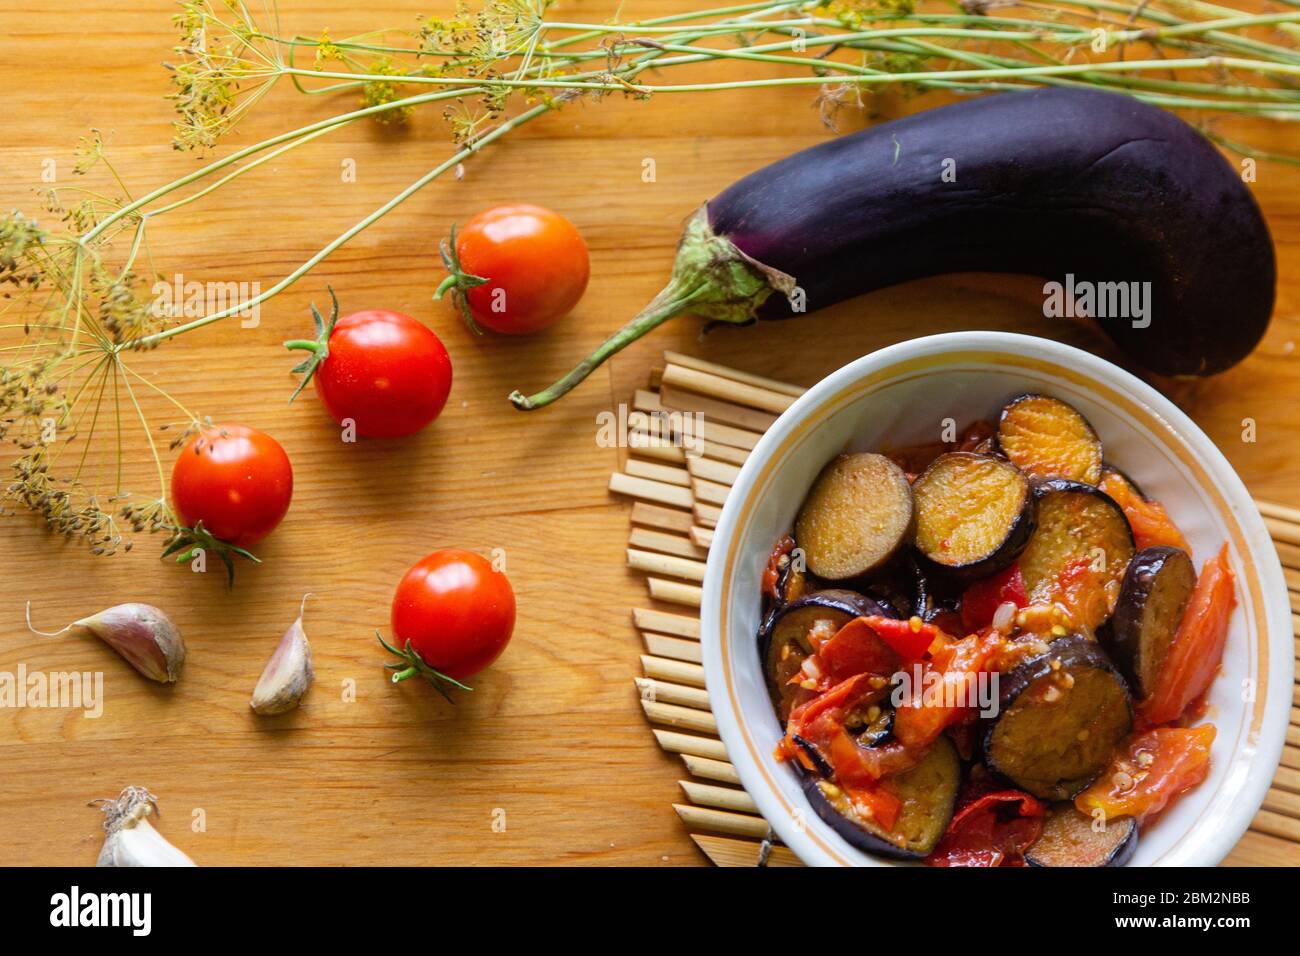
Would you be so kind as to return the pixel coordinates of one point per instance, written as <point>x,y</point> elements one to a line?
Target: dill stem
<point>329,123</point>
<point>458,157</point>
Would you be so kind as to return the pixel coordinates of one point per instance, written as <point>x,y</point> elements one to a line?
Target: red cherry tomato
<point>534,262</point>
<point>386,372</point>
<point>456,611</point>
<point>234,479</point>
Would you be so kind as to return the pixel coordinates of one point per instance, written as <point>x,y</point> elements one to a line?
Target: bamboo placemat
<point>677,501</point>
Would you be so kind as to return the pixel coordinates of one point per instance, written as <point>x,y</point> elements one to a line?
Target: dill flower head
<point>226,64</point>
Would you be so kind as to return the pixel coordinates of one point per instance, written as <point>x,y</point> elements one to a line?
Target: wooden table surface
<point>553,737</point>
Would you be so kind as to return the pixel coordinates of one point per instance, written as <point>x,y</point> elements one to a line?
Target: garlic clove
<point>131,839</point>
<point>288,673</point>
<point>144,636</point>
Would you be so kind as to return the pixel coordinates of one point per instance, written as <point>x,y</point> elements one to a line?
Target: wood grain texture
<point>554,735</point>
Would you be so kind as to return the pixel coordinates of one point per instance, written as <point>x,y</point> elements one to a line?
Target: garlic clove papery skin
<point>144,636</point>
<point>287,676</point>
<point>132,839</point>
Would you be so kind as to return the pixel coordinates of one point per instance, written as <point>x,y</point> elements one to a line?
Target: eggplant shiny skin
<point>1051,183</point>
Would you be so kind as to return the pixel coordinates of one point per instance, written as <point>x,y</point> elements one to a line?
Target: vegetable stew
<point>992,651</point>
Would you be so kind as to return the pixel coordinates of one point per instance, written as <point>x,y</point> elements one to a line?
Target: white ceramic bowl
<point>899,395</point>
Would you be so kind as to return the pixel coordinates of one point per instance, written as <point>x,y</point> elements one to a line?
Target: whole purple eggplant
<point>1119,202</point>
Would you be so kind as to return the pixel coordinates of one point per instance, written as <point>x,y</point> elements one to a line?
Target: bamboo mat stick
<point>673,647</point>
<point>1287,779</point>
<point>1280,801</point>
<point>645,400</point>
<point>1282,530</point>
<point>679,672</point>
<point>703,537</point>
<point>722,821</point>
<point>709,492</point>
<point>710,470</point>
<point>725,453</point>
<point>1288,554</point>
<point>674,592</point>
<point>1291,757</point>
<point>668,564</point>
<point>751,420</point>
<point>706,514</point>
<point>674,544</point>
<point>1266,821</point>
<point>1260,849</point>
<point>710,768</point>
<point>653,491</point>
<point>1293,735</point>
<point>712,430</point>
<point>651,443</point>
<point>666,519</point>
<point>668,474</point>
<point>643,444</point>
<point>725,389</point>
<point>684,718</point>
<point>1281,512</point>
<point>1292,578</point>
<point>747,378</point>
<point>679,625</point>
<point>1295,715</point>
<point>665,693</point>
<point>689,745</point>
<point>720,798</point>
<point>727,851</point>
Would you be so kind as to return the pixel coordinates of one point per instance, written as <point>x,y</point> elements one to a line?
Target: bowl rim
<point>1270,712</point>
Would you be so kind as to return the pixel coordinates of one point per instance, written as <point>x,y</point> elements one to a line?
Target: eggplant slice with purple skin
<point>783,641</point>
<point>927,792</point>
<point>1061,717</point>
<point>1072,185</point>
<point>1047,438</point>
<point>974,514</point>
<point>1069,839</point>
<point>1156,588</point>
<point>856,517</point>
<point>1077,522</point>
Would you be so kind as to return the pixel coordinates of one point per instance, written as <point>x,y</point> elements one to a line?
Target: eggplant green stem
<point>711,278</point>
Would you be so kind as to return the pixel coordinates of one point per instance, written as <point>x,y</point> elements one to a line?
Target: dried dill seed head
<point>153,517</point>
<point>123,314</point>
<point>191,429</point>
<point>20,241</point>
<point>225,66</point>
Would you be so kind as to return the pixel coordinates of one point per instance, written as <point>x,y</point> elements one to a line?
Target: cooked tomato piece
<point>1197,651</point>
<point>1158,766</point>
<point>859,648</point>
<point>983,598</point>
<point>909,639</point>
<point>818,721</point>
<point>1150,522</point>
<point>994,829</point>
<point>772,573</point>
<point>943,695</point>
